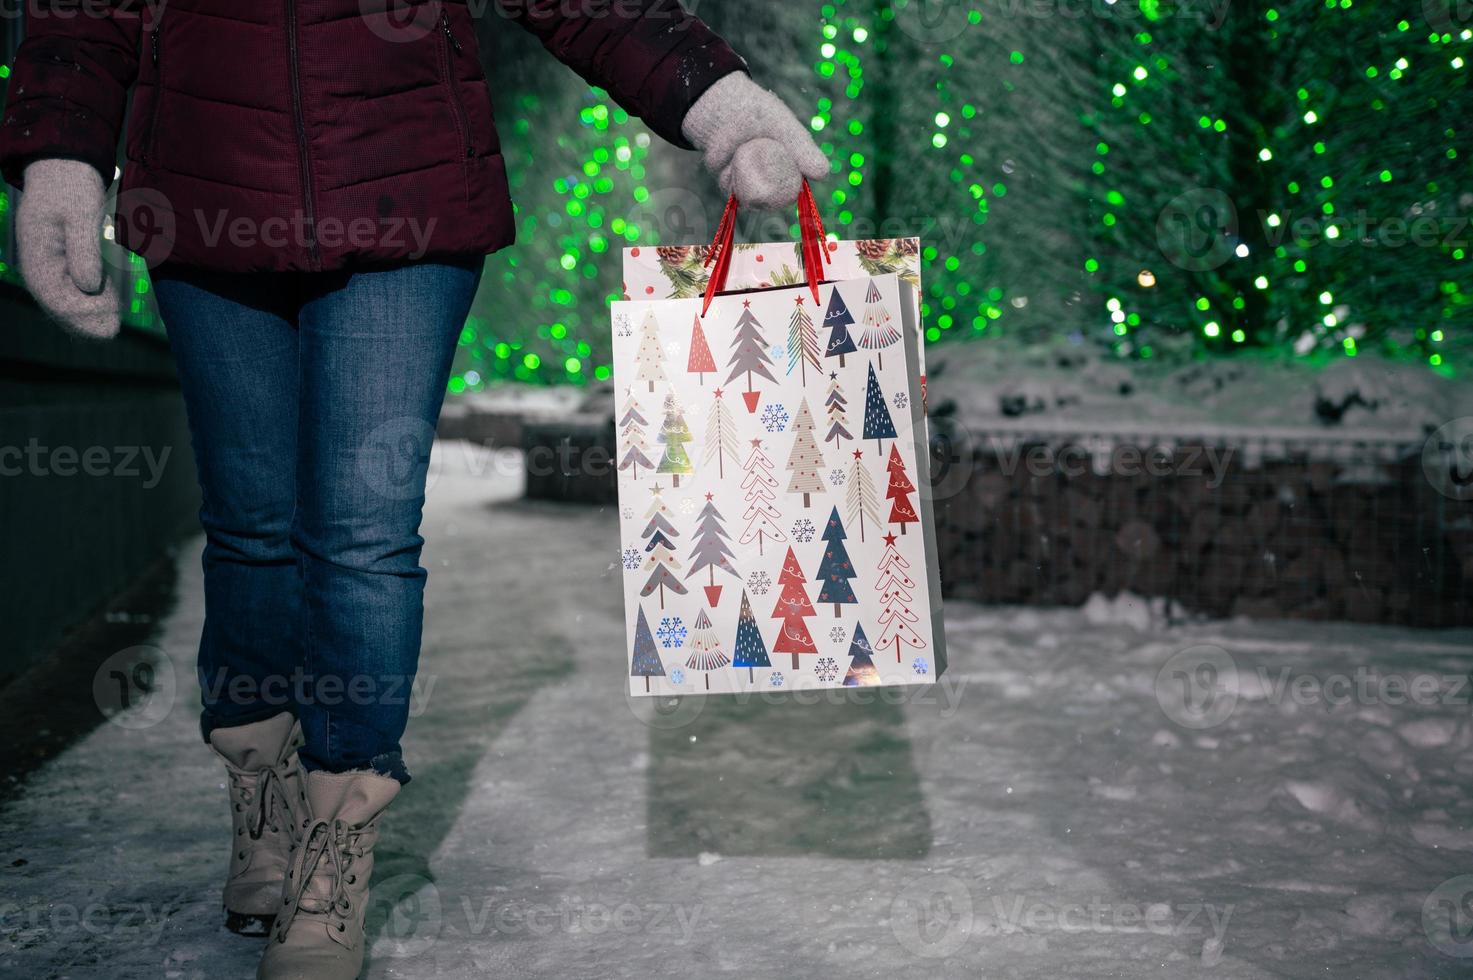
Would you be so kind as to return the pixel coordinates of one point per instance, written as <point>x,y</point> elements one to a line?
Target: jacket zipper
<point>462,123</point>
<point>304,160</point>
<point>158,96</point>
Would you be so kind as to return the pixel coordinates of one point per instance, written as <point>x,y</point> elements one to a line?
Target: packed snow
<point>1111,791</point>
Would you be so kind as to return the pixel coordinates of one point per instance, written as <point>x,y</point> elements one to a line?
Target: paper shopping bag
<point>775,518</point>
<point>682,272</point>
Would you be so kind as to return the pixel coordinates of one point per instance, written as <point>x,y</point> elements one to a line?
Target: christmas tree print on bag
<point>745,530</point>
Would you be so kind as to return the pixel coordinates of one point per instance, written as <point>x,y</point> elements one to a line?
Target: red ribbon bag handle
<point>810,227</point>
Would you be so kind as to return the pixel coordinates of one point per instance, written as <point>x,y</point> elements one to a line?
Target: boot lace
<point>329,849</point>
<point>269,800</point>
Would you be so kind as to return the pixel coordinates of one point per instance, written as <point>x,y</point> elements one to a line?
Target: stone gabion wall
<point>1261,527</point>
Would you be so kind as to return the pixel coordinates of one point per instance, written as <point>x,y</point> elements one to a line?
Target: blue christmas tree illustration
<point>862,672</point>
<point>646,662</point>
<point>835,570</point>
<point>750,651</point>
<point>877,422</point>
<point>839,320</point>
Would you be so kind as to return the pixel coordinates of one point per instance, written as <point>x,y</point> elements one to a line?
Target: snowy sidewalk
<point>1039,813</point>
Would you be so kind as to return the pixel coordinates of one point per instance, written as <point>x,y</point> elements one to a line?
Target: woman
<point>314,184</point>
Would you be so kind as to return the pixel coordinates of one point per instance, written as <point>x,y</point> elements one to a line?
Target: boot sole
<point>249,924</point>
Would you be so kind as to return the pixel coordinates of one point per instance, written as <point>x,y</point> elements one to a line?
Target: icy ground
<point>1088,793</point>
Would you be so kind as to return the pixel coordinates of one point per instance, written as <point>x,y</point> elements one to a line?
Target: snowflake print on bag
<point>632,559</point>
<point>628,513</point>
<point>758,583</point>
<point>677,676</point>
<point>776,680</point>
<point>837,634</point>
<point>901,400</point>
<point>775,417</point>
<point>827,668</point>
<point>920,665</point>
<point>622,326</point>
<point>803,530</point>
<point>687,506</point>
<point>836,477</point>
<point>672,632</point>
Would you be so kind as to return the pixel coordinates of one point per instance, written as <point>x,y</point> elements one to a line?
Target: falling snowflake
<point>628,513</point>
<point>671,632</point>
<point>759,583</point>
<point>631,559</point>
<point>775,417</point>
<point>837,634</point>
<point>837,477</point>
<point>920,665</point>
<point>687,506</point>
<point>677,676</point>
<point>803,530</point>
<point>779,353</point>
<point>776,680</point>
<point>901,400</point>
<point>622,325</point>
<point>827,669</point>
<point>672,348</point>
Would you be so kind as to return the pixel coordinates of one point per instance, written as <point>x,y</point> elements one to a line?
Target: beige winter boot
<point>268,804</point>
<point>318,933</point>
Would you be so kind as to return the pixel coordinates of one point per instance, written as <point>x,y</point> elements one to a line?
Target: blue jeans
<point>312,403</point>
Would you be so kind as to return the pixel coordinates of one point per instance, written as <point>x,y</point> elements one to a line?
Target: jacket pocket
<point>451,50</point>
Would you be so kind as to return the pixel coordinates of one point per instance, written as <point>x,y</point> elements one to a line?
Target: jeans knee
<point>250,538</point>
<point>367,549</point>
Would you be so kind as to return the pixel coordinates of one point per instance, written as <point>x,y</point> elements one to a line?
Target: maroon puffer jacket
<point>315,134</point>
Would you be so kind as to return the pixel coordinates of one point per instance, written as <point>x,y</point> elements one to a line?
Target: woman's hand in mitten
<point>59,233</point>
<point>753,143</point>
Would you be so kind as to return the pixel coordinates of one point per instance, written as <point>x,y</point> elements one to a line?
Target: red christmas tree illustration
<point>895,588</point>
<point>902,512</point>
<point>701,362</point>
<point>792,608</point>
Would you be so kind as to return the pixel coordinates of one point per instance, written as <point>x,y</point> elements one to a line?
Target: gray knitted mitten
<point>753,143</point>
<point>59,233</point>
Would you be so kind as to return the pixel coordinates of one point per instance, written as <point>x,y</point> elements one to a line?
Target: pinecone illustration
<point>674,254</point>
<point>875,249</point>
<point>908,246</point>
